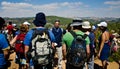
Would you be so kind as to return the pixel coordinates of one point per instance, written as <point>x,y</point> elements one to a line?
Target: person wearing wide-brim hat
<point>39,22</point>
<point>87,29</point>
<point>67,42</point>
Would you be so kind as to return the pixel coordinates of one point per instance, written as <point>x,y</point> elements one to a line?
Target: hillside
<point>113,23</point>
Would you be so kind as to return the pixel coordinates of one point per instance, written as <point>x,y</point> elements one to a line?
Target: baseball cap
<point>27,23</point>
<point>104,24</point>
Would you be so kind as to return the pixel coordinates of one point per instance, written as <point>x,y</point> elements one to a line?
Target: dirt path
<point>112,65</point>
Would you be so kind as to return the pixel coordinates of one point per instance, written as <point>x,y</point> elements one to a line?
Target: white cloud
<point>113,5</point>
<point>68,9</point>
<point>112,2</point>
<point>9,8</point>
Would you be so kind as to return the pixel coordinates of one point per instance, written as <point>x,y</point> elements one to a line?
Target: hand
<point>27,65</point>
<point>98,55</point>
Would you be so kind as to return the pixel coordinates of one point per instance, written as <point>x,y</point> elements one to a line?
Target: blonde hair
<point>24,28</point>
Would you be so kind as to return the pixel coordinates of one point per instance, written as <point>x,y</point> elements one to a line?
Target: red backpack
<point>19,46</point>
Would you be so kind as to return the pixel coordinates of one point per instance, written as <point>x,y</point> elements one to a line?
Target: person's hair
<point>23,28</point>
<point>57,20</point>
<point>85,30</point>
<point>104,28</point>
<point>2,22</point>
<point>77,27</point>
<point>10,23</point>
<point>69,27</point>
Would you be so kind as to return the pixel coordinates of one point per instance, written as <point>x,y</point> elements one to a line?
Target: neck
<point>39,27</point>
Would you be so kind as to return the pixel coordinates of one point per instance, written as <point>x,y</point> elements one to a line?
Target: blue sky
<point>64,8</point>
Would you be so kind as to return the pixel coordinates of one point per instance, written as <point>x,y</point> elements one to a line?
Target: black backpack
<point>76,54</point>
<point>41,52</point>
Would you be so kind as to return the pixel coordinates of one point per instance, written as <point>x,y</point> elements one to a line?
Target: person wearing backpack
<point>58,33</point>
<point>4,47</point>
<point>17,42</point>
<point>39,43</point>
<point>75,45</point>
<point>87,30</point>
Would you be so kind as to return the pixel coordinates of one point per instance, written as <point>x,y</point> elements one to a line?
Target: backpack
<point>19,46</point>
<point>76,55</point>
<point>41,52</point>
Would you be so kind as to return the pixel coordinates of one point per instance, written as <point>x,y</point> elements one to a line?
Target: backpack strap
<point>85,36</point>
<point>38,32</point>
<point>73,34</point>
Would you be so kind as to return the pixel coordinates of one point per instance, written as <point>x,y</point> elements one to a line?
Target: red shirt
<point>10,28</point>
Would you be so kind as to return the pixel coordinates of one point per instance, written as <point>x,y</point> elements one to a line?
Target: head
<point>77,24</point>
<point>40,20</point>
<point>2,22</point>
<point>102,26</point>
<point>57,23</point>
<point>23,28</point>
<point>86,26</point>
<point>10,23</point>
<point>69,28</point>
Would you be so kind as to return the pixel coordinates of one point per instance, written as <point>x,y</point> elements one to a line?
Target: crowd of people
<point>39,48</point>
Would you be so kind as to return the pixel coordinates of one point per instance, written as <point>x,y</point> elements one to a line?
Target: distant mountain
<point>64,20</point>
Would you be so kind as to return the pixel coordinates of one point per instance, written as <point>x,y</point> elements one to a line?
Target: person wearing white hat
<point>27,23</point>
<point>67,39</point>
<point>103,24</point>
<point>104,46</point>
<point>87,30</point>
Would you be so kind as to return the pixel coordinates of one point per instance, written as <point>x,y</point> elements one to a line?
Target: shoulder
<point>2,35</point>
<point>67,35</point>
<point>80,32</point>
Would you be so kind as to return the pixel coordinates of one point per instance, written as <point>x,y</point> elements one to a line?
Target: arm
<point>13,40</point>
<point>5,46</point>
<point>88,50</point>
<point>64,51</point>
<point>26,50</point>
<point>5,52</point>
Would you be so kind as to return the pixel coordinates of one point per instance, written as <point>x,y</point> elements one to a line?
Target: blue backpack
<point>76,54</point>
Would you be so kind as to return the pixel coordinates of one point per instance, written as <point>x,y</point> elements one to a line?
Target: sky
<point>63,8</point>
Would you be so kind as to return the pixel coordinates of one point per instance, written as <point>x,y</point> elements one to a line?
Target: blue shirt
<point>27,40</point>
<point>3,45</point>
<point>58,33</point>
<point>92,37</point>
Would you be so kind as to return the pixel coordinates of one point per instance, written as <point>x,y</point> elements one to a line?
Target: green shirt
<point>68,38</point>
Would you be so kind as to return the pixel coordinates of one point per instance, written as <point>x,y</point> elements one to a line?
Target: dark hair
<point>85,30</point>
<point>79,27</point>
<point>10,23</point>
<point>2,22</point>
<point>57,20</point>
<point>103,28</point>
<point>69,27</point>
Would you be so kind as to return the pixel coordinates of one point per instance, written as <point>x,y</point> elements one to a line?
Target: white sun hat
<point>86,25</point>
<point>104,24</point>
<point>27,23</point>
